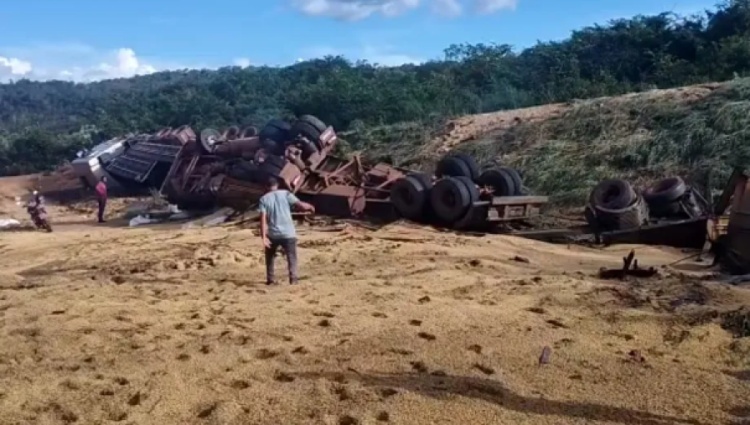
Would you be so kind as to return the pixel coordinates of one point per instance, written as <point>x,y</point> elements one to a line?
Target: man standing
<point>277,228</point>
<point>101,197</point>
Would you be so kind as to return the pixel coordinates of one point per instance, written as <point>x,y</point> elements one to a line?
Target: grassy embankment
<point>698,132</point>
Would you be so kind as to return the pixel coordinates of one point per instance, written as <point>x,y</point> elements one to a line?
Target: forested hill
<point>42,122</point>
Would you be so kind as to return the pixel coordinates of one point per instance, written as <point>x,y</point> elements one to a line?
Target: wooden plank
<point>217,217</point>
<point>519,200</point>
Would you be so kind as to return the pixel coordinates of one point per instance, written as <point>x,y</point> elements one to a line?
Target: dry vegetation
<point>698,132</point>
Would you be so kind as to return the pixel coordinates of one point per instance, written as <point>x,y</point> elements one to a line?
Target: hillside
<point>564,149</point>
<point>41,122</point>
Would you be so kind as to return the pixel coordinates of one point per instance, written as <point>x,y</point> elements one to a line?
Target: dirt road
<point>402,325</point>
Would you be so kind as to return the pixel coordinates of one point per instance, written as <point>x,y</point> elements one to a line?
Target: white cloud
<point>242,62</point>
<point>354,10</point>
<point>125,64</point>
<point>72,62</point>
<point>13,68</point>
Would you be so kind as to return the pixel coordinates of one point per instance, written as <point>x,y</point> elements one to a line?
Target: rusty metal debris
<point>733,247</point>
<point>230,169</point>
<point>629,268</point>
<point>670,212</point>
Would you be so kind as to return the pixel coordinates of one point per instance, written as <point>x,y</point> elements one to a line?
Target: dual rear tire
<point>450,200</point>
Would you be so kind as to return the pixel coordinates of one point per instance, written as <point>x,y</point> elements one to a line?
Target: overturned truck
<point>231,168</point>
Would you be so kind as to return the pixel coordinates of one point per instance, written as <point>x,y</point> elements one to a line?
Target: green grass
<point>640,137</point>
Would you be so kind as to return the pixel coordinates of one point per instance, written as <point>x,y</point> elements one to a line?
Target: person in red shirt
<point>101,197</point>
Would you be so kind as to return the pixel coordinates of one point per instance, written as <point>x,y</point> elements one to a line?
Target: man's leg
<point>290,248</point>
<point>100,215</point>
<point>270,257</point>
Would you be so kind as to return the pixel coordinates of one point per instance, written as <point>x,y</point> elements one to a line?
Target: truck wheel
<point>276,130</point>
<point>631,217</point>
<point>663,196</point>
<point>517,180</point>
<point>471,163</point>
<point>272,166</point>
<point>501,180</point>
<point>249,131</point>
<point>208,140</point>
<point>409,197</point>
<point>308,148</point>
<point>456,165</point>
<point>425,179</point>
<point>303,128</point>
<point>450,198</point>
<point>314,121</point>
<point>613,194</point>
<point>273,147</point>
<point>232,132</point>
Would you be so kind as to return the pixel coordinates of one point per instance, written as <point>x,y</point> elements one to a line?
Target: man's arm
<point>299,205</point>
<point>264,225</point>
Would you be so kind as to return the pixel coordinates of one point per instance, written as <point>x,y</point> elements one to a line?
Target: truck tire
<point>410,196</point>
<point>630,217</point>
<point>425,179</point>
<point>232,133</point>
<point>475,218</point>
<point>471,186</point>
<point>453,166</point>
<point>273,147</point>
<point>451,198</point>
<point>276,130</point>
<point>208,140</point>
<point>612,194</point>
<point>315,122</point>
<point>249,131</point>
<point>501,180</point>
<point>308,148</point>
<point>471,163</point>
<point>517,180</point>
<point>663,197</point>
<point>271,166</point>
<point>302,128</point>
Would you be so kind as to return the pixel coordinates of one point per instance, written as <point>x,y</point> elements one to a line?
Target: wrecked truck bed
<point>689,233</point>
<point>222,171</point>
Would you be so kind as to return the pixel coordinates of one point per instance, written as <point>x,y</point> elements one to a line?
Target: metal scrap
<point>230,169</point>
<point>629,268</point>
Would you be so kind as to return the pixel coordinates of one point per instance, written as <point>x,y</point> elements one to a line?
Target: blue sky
<point>95,39</point>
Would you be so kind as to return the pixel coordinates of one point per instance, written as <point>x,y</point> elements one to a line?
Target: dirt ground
<point>401,325</point>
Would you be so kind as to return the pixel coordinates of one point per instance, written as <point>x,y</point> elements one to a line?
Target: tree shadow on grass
<point>440,386</point>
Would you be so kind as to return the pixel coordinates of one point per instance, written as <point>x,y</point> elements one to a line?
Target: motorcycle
<point>38,213</point>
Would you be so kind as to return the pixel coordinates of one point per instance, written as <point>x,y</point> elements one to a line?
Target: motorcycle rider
<point>38,212</point>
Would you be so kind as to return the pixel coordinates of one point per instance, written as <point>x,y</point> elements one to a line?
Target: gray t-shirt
<point>277,206</point>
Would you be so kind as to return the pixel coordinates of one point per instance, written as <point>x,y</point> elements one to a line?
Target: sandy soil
<point>401,325</point>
